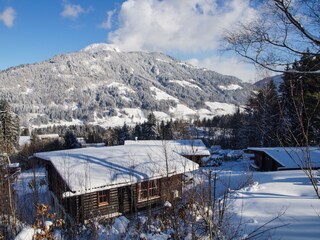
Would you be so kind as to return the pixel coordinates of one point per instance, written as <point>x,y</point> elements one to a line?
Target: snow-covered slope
<point>101,84</point>
<point>277,80</point>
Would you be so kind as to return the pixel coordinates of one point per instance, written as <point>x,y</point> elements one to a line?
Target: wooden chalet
<point>285,158</point>
<point>194,150</point>
<point>110,181</point>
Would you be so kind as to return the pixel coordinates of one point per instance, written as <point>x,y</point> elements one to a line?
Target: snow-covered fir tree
<point>150,128</point>
<point>300,100</point>
<point>262,117</point>
<point>9,128</point>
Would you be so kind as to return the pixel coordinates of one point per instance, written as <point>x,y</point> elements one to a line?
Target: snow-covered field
<point>284,192</point>
<point>263,196</point>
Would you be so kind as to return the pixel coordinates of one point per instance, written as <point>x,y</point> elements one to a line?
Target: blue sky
<point>190,30</point>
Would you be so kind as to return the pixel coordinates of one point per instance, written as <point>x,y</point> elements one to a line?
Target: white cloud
<point>72,11</point>
<point>8,16</point>
<point>229,66</point>
<point>174,25</point>
<point>107,24</point>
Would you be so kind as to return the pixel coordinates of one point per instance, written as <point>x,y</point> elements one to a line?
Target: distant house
<point>24,140</point>
<point>285,158</point>
<point>48,137</point>
<point>110,181</point>
<point>194,150</point>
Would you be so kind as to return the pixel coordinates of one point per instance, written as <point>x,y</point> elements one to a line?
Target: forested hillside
<point>100,82</point>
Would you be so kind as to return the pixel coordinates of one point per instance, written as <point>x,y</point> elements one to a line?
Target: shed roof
<point>48,136</point>
<point>184,147</point>
<point>91,169</point>
<point>293,157</point>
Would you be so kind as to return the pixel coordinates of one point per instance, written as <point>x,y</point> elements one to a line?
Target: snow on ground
<point>275,192</point>
<point>161,95</point>
<point>31,183</point>
<point>230,87</point>
<point>25,234</point>
<point>162,60</point>
<point>123,89</point>
<point>27,91</point>
<point>204,113</point>
<point>185,83</point>
<point>264,195</point>
<point>161,116</point>
<point>182,111</point>
<point>129,116</point>
<point>26,179</point>
<point>218,108</point>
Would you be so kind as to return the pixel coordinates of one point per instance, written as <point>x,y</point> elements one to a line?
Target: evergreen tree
<point>166,130</point>
<point>150,128</point>
<point>137,133</point>
<point>9,128</point>
<point>300,98</point>
<point>123,134</point>
<point>236,122</point>
<point>262,117</point>
<point>70,140</point>
<point>181,129</point>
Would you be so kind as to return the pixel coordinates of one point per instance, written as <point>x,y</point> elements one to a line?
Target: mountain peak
<point>99,47</point>
<point>101,86</point>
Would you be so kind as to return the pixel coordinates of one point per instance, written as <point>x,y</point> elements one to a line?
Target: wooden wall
<point>265,162</point>
<point>124,200</point>
<point>91,208</point>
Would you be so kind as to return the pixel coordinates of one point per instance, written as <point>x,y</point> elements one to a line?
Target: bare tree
<point>280,32</point>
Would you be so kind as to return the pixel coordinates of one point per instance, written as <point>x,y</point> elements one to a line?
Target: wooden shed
<point>285,158</point>
<point>110,181</point>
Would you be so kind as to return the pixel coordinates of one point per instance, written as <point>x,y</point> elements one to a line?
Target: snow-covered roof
<point>91,169</point>
<point>184,147</point>
<point>23,140</point>
<point>293,157</point>
<point>48,136</point>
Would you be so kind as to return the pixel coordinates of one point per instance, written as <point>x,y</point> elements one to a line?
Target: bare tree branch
<point>282,32</point>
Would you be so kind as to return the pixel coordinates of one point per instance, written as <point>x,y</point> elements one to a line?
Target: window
<point>103,198</point>
<point>148,190</point>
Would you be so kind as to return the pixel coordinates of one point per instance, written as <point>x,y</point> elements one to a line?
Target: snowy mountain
<point>103,85</point>
<point>277,80</point>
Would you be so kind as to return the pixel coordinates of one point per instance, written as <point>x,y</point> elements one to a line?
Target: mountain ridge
<point>100,82</point>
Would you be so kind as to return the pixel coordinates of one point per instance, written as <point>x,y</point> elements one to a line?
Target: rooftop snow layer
<point>183,147</point>
<point>292,157</point>
<point>92,169</point>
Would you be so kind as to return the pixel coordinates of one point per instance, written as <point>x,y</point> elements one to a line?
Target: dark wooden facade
<point>264,162</point>
<point>121,200</point>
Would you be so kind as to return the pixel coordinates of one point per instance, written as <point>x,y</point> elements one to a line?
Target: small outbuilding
<point>110,181</point>
<point>285,158</point>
